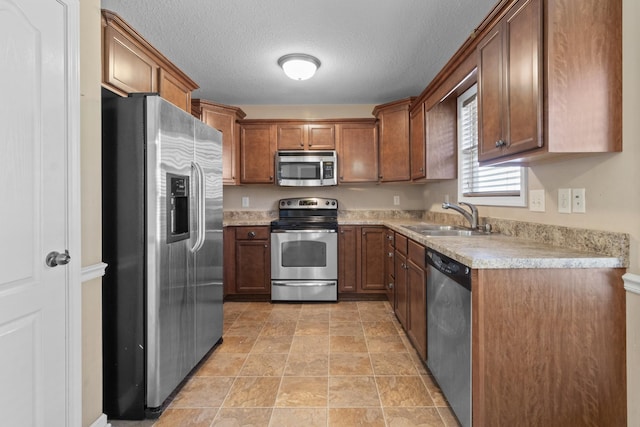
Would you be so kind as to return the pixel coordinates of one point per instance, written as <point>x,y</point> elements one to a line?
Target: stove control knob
<point>289,202</point>
<point>326,203</point>
<point>333,203</point>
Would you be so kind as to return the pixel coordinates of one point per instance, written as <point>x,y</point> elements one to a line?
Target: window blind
<point>481,181</point>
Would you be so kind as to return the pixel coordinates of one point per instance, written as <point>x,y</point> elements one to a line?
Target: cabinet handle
<point>380,176</point>
<point>251,234</point>
<point>302,145</point>
<point>390,286</point>
<point>341,178</point>
<point>390,254</point>
<point>421,169</point>
<point>270,177</point>
<point>501,143</point>
<point>265,245</point>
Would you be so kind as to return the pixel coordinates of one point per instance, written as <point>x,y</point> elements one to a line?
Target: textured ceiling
<point>372,51</point>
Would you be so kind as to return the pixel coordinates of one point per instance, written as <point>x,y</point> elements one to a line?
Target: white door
<point>38,213</point>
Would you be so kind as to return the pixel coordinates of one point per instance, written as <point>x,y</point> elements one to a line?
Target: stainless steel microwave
<point>306,168</point>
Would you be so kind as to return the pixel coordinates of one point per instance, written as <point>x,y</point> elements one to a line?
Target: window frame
<point>493,200</point>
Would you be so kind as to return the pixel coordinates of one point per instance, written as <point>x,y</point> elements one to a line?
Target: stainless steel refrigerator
<point>162,241</point>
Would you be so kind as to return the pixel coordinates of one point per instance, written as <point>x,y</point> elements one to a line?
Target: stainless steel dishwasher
<point>449,331</point>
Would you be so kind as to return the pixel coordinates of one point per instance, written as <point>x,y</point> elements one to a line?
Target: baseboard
<point>101,422</point>
<point>632,283</point>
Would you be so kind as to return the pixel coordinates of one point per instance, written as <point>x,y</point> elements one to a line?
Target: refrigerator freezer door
<point>170,299</point>
<point>208,260</point>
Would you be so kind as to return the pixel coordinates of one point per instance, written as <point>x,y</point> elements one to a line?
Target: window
<point>483,185</point>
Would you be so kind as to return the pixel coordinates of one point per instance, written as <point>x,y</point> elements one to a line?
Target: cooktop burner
<point>309,213</point>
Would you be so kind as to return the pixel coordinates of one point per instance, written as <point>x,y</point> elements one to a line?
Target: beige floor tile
<point>250,328</point>
<point>356,417</point>
<point>344,306</point>
<point>284,316</point>
<point>434,390</point>
<point>275,344</point>
<point>346,329</point>
<point>307,365</point>
<point>448,417</point>
<point>234,344</point>
<point>235,417</point>
<point>255,315</point>
<point>297,417</point>
<point>187,417</point>
<point>350,364</point>
<point>403,391</point>
<point>410,417</point>
<point>389,344</point>
<point>305,392</point>
<point>376,316</point>
<point>393,364</point>
<point>315,316</point>
<point>252,392</point>
<point>274,329</point>
<point>314,328</point>
<point>222,364</point>
<point>203,392</point>
<point>345,316</point>
<point>264,365</point>
<point>310,344</point>
<point>348,344</point>
<point>353,392</point>
<point>379,329</point>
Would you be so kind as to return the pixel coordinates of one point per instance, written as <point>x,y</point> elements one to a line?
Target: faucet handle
<point>473,208</point>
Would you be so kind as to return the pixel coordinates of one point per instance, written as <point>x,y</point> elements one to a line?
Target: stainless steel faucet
<point>471,217</point>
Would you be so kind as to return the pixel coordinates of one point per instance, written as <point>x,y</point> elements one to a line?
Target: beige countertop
<point>500,251</point>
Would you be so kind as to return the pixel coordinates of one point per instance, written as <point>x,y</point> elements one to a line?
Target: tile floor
<point>334,364</point>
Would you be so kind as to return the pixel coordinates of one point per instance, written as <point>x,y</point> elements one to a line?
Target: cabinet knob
<point>251,234</point>
<point>390,254</point>
<point>342,178</point>
<point>421,169</point>
<point>501,143</point>
<point>270,177</point>
<point>265,245</point>
<point>302,145</point>
<point>380,176</point>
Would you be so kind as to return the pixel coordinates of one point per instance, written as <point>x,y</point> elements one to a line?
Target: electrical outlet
<point>564,200</point>
<point>578,200</point>
<point>245,202</point>
<point>536,200</point>
<point>396,200</point>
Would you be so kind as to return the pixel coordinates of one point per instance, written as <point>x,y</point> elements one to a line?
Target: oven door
<point>309,255</point>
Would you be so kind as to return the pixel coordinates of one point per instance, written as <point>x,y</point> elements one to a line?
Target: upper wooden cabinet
<point>225,119</point>
<point>357,144</point>
<point>257,153</point>
<point>550,81</point>
<point>130,64</point>
<point>306,136</point>
<point>510,83</point>
<point>393,122</point>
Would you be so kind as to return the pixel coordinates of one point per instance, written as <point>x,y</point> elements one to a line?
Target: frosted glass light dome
<point>299,66</point>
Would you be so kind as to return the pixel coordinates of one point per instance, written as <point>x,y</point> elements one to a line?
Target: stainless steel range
<point>304,250</point>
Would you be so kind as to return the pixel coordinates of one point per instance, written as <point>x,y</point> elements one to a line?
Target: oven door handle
<point>302,284</point>
<point>322,230</point>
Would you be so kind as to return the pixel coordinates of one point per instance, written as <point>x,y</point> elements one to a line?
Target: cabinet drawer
<point>416,253</point>
<point>401,243</point>
<point>252,233</point>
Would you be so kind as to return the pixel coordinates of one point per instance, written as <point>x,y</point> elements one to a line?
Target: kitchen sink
<point>443,230</point>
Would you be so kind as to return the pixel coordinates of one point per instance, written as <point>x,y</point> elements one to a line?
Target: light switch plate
<point>245,202</point>
<point>564,200</point>
<point>536,200</point>
<point>578,200</point>
<point>396,200</point>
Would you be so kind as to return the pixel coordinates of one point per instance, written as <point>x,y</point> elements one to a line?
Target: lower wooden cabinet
<point>247,260</point>
<point>361,259</point>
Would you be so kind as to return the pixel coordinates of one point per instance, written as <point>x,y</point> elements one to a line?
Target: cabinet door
<point>321,137</point>
<point>127,67</point>
<point>442,140</point>
<point>401,291</point>
<point>292,136</point>
<point>394,145</point>
<point>357,152</point>
<point>257,149</point>
<point>490,96</point>
<point>417,143</point>
<point>348,259</point>
<point>174,91</point>
<point>253,266</point>
<point>229,258</point>
<point>226,124</point>
<point>389,265</point>
<point>373,260</point>
<point>417,317</point>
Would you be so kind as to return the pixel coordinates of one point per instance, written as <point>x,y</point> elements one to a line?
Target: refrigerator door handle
<point>199,175</point>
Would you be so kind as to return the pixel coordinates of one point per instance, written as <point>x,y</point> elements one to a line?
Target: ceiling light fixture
<point>299,66</point>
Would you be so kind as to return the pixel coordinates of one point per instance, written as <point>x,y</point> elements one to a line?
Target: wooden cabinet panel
<point>442,140</point>
<point>417,307</point>
<point>223,118</point>
<point>510,77</point>
<point>247,260</point>
<point>131,64</point>
<point>401,306</point>
<point>357,152</point>
<point>348,258</point>
<point>309,136</point>
<point>257,150</point>
<point>229,257</point>
<point>127,67</point>
<point>393,122</point>
<point>390,265</point>
<point>175,91</point>
<point>417,142</point>
<point>373,259</point>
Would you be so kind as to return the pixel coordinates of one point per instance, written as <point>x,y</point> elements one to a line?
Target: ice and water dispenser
<point>177,207</point>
